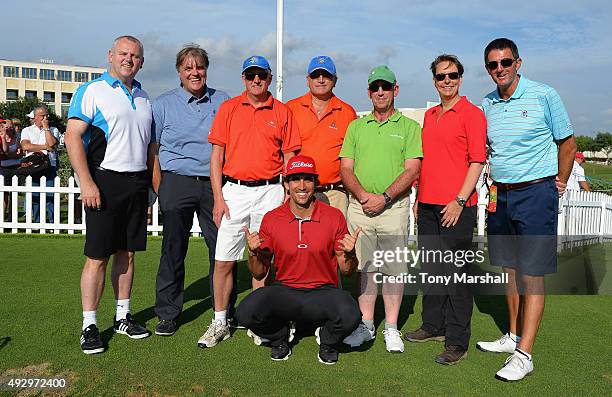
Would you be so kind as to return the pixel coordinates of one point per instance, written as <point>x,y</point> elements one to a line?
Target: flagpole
<point>279,50</point>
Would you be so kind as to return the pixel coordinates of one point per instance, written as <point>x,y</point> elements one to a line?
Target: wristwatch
<point>460,201</point>
<point>387,198</point>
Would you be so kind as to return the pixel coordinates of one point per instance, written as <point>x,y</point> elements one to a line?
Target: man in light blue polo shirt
<point>182,119</point>
<point>532,152</point>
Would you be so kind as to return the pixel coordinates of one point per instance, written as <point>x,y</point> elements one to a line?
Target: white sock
<point>221,316</point>
<point>390,326</point>
<point>524,353</point>
<point>89,318</point>
<point>515,338</point>
<point>123,308</point>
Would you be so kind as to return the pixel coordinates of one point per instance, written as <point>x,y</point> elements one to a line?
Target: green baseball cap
<point>382,72</point>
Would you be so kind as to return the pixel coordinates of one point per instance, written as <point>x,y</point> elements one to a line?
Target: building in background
<point>52,84</point>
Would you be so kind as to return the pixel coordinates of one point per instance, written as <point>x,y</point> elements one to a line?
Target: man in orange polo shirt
<point>323,118</point>
<point>253,135</point>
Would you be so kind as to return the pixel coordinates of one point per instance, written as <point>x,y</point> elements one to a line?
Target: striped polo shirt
<point>523,132</point>
<point>119,121</point>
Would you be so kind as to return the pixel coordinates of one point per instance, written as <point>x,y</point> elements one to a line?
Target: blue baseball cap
<point>255,61</point>
<point>322,62</point>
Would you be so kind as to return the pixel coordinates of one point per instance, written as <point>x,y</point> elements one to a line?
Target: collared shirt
<point>379,149</point>
<point>322,138</point>
<point>119,123</point>
<point>181,123</point>
<point>523,131</point>
<point>304,249</point>
<point>575,177</point>
<point>254,138</point>
<point>36,136</point>
<point>450,144</point>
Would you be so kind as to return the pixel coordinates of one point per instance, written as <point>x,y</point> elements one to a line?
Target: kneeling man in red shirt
<point>309,240</point>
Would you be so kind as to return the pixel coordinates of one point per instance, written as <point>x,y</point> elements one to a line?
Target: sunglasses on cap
<point>385,85</point>
<point>320,72</point>
<point>451,75</point>
<point>506,63</point>
<point>250,76</point>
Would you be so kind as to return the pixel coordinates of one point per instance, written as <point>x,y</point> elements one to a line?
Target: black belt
<point>196,177</point>
<point>126,173</point>
<point>260,182</point>
<point>330,186</point>
<point>511,186</point>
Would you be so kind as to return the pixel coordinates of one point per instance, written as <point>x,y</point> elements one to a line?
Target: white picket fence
<point>581,213</point>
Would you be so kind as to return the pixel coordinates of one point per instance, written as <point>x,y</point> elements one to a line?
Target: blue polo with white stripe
<point>523,132</point>
<point>119,121</point>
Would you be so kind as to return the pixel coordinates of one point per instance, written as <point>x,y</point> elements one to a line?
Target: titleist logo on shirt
<point>300,164</point>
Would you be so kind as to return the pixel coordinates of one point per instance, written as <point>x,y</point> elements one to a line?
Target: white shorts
<point>247,206</point>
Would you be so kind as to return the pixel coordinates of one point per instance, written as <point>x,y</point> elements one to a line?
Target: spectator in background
<point>10,156</point>
<point>18,127</point>
<point>577,180</point>
<point>40,137</point>
<point>10,153</point>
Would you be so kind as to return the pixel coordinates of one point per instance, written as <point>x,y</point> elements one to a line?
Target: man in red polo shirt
<point>252,135</point>
<point>323,118</point>
<point>309,241</point>
<point>454,135</point>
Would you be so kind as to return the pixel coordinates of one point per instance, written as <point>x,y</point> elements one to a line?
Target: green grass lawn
<point>601,176</point>
<point>40,311</point>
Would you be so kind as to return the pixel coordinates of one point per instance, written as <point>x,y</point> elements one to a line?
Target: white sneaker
<point>361,334</point>
<point>257,340</point>
<point>505,344</point>
<point>215,333</point>
<point>393,340</point>
<point>516,368</point>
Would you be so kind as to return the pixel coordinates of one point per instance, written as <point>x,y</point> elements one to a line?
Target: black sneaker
<point>131,328</point>
<point>280,352</point>
<point>327,354</point>
<point>90,340</point>
<point>166,327</point>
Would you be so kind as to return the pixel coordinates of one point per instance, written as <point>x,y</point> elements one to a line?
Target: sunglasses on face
<point>320,72</point>
<point>451,75</point>
<point>250,76</point>
<point>297,178</point>
<point>506,63</point>
<point>385,85</point>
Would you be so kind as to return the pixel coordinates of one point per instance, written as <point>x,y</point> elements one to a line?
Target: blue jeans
<point>50,173</point>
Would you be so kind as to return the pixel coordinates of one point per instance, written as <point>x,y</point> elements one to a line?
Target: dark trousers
<point>447,309</point>
<point>268,310</point>
<point>179,197</point>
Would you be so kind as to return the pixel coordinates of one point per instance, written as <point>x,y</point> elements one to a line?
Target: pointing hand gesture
<point>347,244</point>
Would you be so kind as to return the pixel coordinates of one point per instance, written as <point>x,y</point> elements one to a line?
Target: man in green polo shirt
<point>380,158</point>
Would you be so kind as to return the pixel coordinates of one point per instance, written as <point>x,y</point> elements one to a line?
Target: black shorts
<point>121,222</point>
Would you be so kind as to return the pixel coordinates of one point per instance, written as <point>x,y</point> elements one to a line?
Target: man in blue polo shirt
<point>532,151</point>
<point>182,119</point>
<point>107,137</point>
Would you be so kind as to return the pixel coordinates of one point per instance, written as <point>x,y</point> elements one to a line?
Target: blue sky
<point>566,44</point>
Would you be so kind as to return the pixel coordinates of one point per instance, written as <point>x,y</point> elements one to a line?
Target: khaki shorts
<point>387,231</point>
<point>335,198</point>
